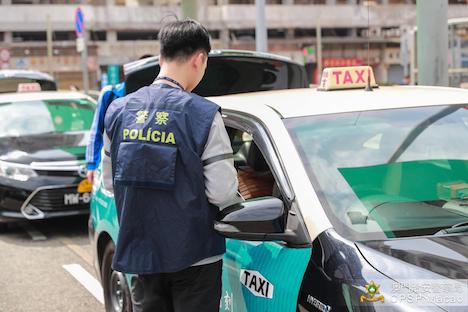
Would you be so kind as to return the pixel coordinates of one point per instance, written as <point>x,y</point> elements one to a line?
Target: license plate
<point>76,198</point>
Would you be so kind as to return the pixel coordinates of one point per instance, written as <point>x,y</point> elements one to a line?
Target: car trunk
<point>228,73</point>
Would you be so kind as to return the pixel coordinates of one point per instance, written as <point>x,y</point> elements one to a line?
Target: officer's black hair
<point>181,39</point>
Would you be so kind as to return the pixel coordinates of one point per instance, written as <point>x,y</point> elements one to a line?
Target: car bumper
<point>43,202</point>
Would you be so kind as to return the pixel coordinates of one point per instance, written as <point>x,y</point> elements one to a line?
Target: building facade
<point>119,31</point>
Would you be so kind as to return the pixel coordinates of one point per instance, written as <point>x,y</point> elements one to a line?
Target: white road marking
<point>32,231</point>
<point>86,279</point>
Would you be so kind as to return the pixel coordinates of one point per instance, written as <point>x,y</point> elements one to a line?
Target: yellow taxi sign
<point>352,77</point>
<point>84,187</point>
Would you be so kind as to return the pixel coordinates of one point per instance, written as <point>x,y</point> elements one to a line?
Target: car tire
<point>117,295</point>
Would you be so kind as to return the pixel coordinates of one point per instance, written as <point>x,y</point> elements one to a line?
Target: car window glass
<point>239,75</point>
<point>45,116</point>
<point>232,74</point>
<point>393,173</point>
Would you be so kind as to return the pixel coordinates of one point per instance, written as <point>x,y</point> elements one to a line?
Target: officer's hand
<point>90,175</point>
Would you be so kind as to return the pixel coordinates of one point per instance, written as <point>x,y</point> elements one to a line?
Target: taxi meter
<point>353,77</point>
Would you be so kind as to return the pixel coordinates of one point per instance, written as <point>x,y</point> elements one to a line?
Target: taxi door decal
<point>262,276</point>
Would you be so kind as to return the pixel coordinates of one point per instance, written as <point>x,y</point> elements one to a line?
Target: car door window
<point>254,175</point>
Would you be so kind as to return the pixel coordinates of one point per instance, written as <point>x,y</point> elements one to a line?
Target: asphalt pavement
<point>47,266</point>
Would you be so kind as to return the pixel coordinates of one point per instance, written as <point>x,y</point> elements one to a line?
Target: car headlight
<point>16,171</point>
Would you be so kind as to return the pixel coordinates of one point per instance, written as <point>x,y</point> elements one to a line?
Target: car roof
<point>43,95</point>
<point>21,73</point>
<point>309,101</point>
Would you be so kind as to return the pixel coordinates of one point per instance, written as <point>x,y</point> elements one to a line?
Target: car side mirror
<point>261,219</point>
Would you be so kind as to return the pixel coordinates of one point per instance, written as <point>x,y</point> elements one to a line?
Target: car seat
<point>255,179</point>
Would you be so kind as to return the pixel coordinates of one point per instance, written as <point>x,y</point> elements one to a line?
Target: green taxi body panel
<point>103,213</point>
<point>281,267</point>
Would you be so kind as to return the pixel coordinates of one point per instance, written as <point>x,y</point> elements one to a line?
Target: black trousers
<point>197,288</point>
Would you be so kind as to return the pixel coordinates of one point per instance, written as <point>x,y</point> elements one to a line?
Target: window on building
<point>64,36</point>
<point>335,32</point>
<point>99,35</point>
<point>2,36</point>
<point>243,34</point>
<point>304,32</point>
<point>47,2</point>
<point>214,34</point>
<point>145,2</point>
<point>395,1</point>
<point>277,33</point>
<point>392,44</point>
<point>241,1</point>
<point>22,36</point>
<point>97,2</point>
<point>310,1</point>
<point>136,35</point>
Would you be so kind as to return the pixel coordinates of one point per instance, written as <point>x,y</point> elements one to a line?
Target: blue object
<point>93,149</point>
<point>158,135</point>
<point>79,22</point>
<point>104,80</point>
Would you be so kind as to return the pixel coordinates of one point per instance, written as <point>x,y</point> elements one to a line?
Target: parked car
<point>14,80</point>
<point>43,140</point>
<point>355,200</point>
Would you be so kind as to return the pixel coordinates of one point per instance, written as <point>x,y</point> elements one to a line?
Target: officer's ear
<point>199,59</point>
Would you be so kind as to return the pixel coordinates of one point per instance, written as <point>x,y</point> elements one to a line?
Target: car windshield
<point>24,118</point>
<point>388,173</point>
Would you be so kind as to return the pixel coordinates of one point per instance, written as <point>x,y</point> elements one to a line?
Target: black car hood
<point>42,148</point>
<point>418,258</point>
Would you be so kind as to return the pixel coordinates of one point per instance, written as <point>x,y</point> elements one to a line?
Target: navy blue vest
<point>158,135</point>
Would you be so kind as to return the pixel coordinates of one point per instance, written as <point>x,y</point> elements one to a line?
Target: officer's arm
<point>220,175</point>
<point>107,165</point>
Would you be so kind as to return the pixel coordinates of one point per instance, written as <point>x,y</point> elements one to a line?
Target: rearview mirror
<point>261,219</point>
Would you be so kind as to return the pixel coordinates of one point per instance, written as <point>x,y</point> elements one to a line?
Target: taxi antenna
<point>368,86</point>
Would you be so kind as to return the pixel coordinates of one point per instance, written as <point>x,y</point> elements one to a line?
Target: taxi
<point>355,199</point>
<point>43,138</point>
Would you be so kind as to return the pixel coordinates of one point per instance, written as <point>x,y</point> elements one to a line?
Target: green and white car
<point>354,200</point>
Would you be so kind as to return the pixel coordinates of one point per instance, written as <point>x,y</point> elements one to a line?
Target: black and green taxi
<point>43,137</point>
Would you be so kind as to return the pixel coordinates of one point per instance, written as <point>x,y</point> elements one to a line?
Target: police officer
<point>171,164</point>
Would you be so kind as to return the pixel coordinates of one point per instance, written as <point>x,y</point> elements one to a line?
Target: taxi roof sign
<point>341,78</point>
<point>29,87</point>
